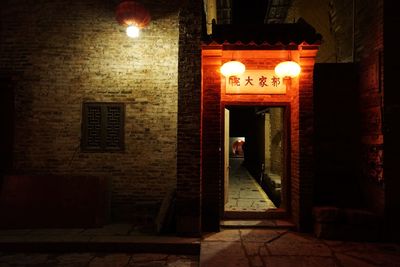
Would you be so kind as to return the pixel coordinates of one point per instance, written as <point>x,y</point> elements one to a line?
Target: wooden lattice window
<point>103,126</point>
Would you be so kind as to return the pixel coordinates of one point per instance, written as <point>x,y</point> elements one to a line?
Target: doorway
<point>254,160</point>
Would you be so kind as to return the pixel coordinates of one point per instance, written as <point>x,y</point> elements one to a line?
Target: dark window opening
<point>103,127</point>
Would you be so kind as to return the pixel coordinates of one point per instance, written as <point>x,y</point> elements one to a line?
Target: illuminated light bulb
<point>132,31</point>
<point>233,68</point>
<point>287,69</point>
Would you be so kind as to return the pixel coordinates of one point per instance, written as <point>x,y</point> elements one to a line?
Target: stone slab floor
<point>244,193</point>
<point>279,248</point>
<point>233,248</point>
<point>96,260</point>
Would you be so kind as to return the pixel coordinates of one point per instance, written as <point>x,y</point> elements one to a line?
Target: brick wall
<point>391,126</point>
<point>337,135</point>
<point>7,123</point>
<point>373,59</point>
<point>212,137</point>
<point>189,125</point>
<point>62,53</point>
<point>369,47</point>
<point>277,141</point>
<point>326,17</point>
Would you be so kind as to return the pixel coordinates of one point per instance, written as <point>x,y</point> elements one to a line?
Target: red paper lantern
<point>131,13</point>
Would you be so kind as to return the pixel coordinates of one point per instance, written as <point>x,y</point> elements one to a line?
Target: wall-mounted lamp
<point>287,69</point>
<point>132,15</point>
<point>232,68</point>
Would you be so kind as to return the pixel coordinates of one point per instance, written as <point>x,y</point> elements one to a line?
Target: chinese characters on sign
<point>255,82</point>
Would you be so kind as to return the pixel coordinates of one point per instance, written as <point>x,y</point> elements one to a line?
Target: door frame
<point>284,210</point>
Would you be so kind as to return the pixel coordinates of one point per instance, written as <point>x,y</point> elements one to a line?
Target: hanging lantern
<point>287,69</point>
<point>133,15</point>
<point>233,68</point>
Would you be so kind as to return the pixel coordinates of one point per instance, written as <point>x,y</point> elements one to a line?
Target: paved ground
<point>244,192</point>
<point>96,260</point>
<point>228,248</point>
<point>274,248</point>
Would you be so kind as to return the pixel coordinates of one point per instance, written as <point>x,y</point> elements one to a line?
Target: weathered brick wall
<point>212,136</point>
<point>391,125</point>
<point>189,123</point>
<point>277,141</point>
<point>369,48</point>
<point>63,53</point>
<point>7,124</point>
<point>337,136</point>
<point>364,45</point>
<point>327,16</point>
<point>305,157</point>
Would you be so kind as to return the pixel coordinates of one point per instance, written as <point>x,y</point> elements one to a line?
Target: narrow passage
<point>245,194</point>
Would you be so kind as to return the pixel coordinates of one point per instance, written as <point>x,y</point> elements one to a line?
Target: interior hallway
<point>244,193</point>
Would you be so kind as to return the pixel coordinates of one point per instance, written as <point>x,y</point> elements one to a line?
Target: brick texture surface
<point>277,135</point>
<point>374,51</point>
<point>188,170</point>
<point>391,126</point>
<point>369,44</point>
<point>62,53</point>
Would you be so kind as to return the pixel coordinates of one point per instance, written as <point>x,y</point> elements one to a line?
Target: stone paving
<point>244,192</point>
<point>245,247</point>
<point>280,248</point>
<point>96,260</point>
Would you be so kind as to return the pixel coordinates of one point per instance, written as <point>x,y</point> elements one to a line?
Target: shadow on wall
<point>337,138</point>
<point>7,124</point>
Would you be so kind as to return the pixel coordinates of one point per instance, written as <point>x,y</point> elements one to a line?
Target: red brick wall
<point>211,140</point>
<point>369,47</point>
<point>298,99</point>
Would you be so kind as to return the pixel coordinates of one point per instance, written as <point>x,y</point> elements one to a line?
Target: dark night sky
<point>249,12</point>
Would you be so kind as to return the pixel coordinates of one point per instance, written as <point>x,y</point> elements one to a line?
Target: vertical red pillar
<point>211,139</point>
<point>305,184</point>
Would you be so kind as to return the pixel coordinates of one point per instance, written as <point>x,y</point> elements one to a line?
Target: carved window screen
<point>103,127</point>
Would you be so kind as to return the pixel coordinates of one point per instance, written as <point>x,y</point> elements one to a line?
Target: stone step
<point>265,224</point>
<point>252,215</point>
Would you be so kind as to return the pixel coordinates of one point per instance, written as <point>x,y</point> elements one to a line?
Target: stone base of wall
<point>49,201</point>
<point>346,224</point>
<point>141,213</point>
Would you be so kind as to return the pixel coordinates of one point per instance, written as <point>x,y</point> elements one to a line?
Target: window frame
<point>85,147</point>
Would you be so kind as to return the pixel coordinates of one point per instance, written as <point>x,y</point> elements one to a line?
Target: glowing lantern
<point>287,69</point>
<point>233,68</point>
<point>133,15</point>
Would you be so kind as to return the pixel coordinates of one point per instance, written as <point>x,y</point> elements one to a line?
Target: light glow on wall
<point>287,69</point>
<point>133,15</point>
<point>132,31</point>
<point>233,68</point>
